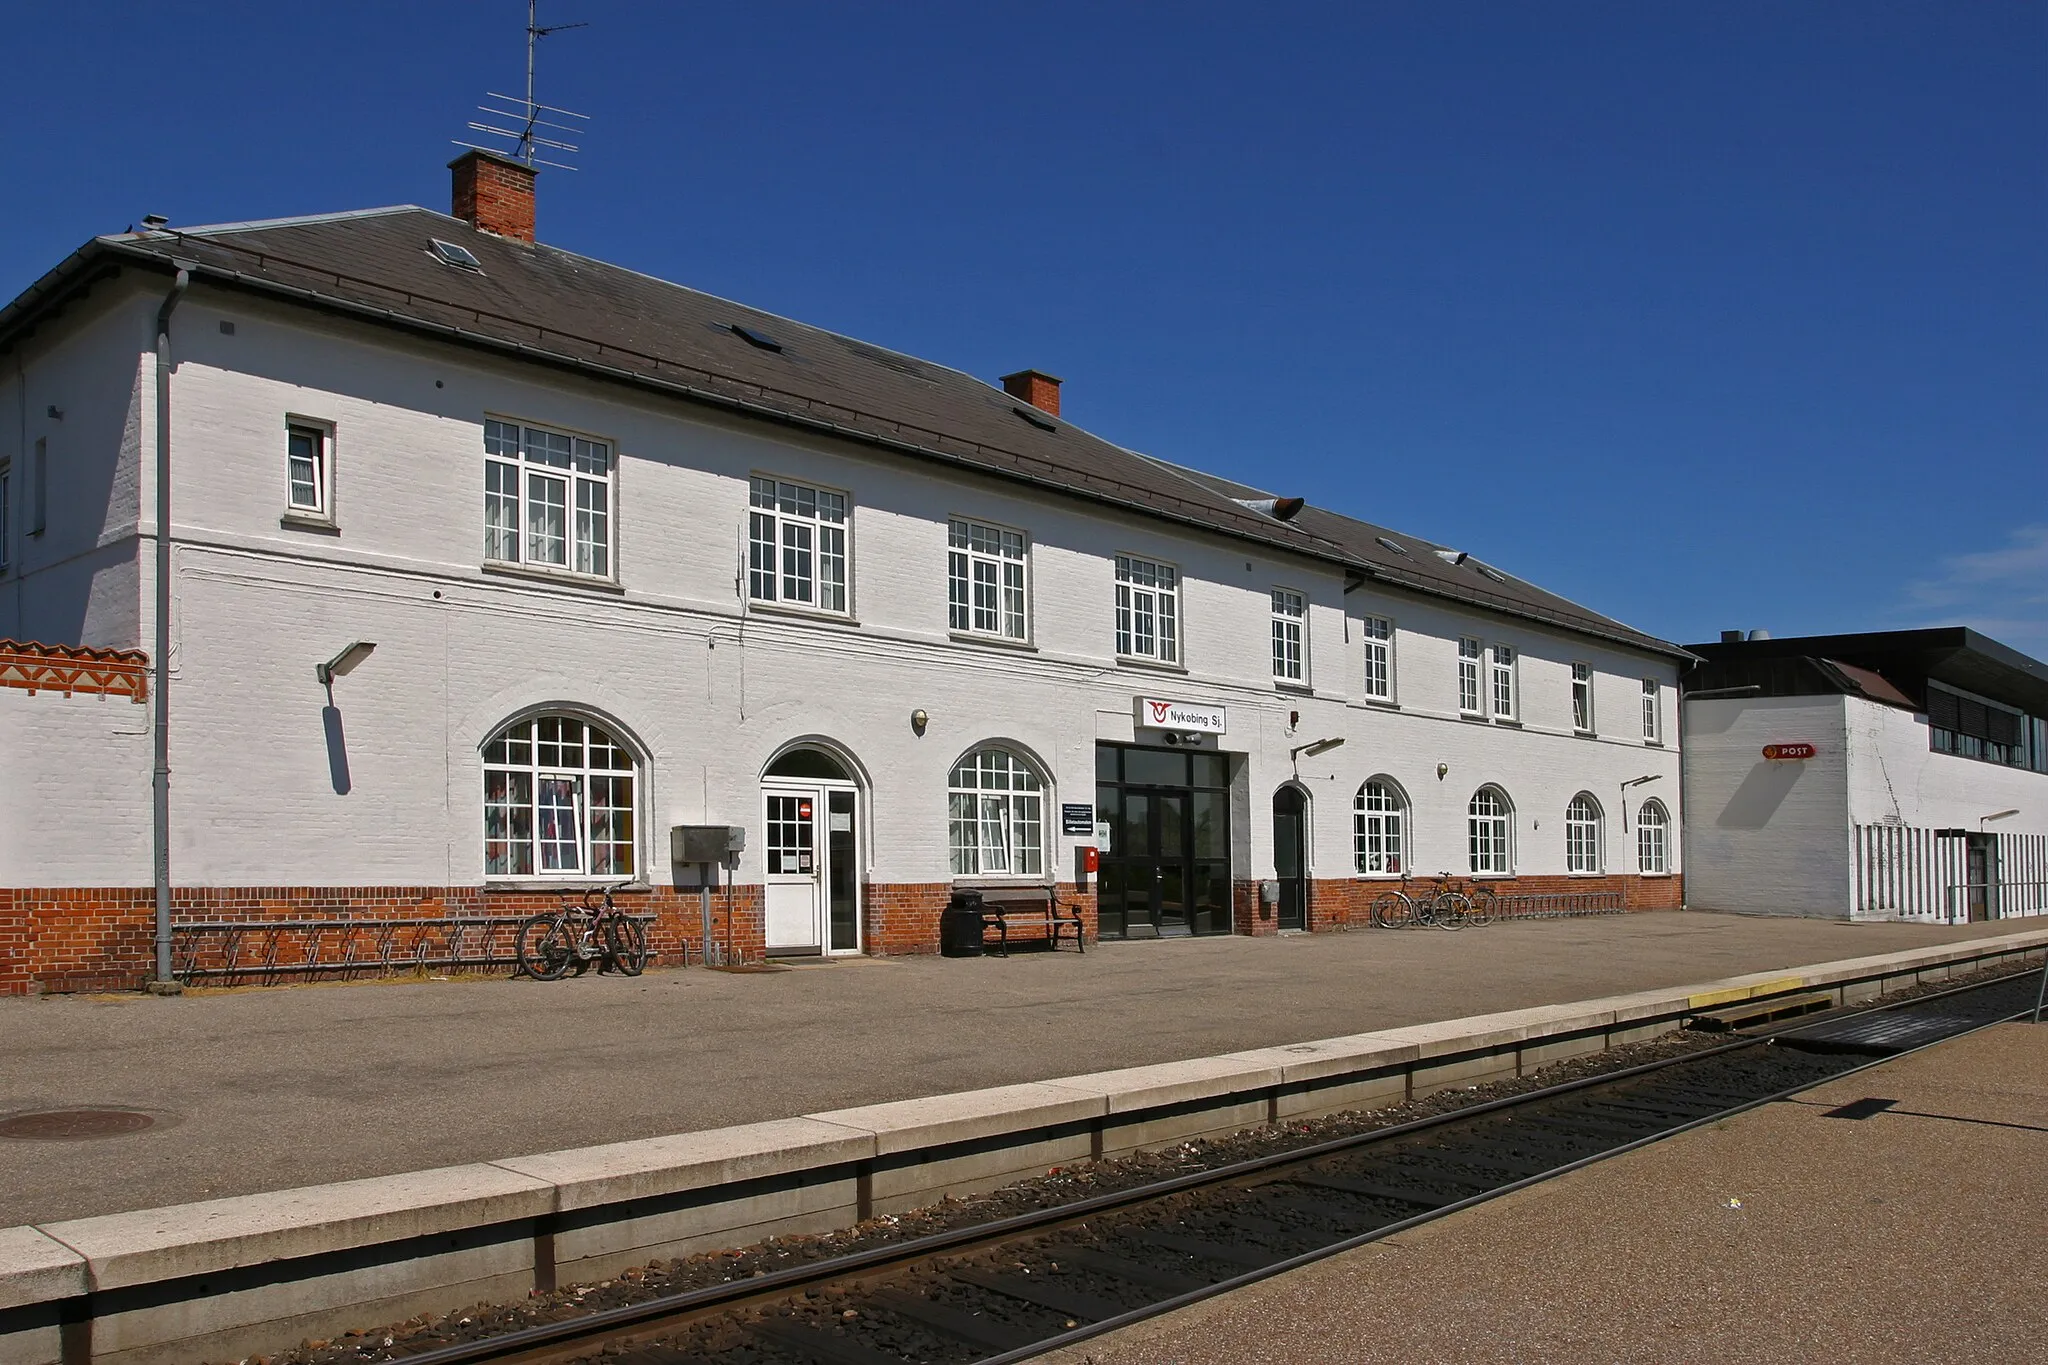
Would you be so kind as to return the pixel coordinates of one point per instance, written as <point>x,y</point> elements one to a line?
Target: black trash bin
<point>960,925</point>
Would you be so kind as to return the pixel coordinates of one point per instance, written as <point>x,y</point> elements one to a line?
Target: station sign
<point>1779,752</point>
<point>1157,713</point>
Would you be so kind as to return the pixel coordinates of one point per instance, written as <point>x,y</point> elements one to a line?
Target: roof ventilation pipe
<point>1279,509</point>
<point>1759,635</point>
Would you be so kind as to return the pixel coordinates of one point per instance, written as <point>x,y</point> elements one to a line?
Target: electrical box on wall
<point>706,843</point>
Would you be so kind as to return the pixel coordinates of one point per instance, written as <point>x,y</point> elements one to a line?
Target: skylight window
<point>448,253</point>
<point>758,340</point>
<point>1036,418</point>
<point>1495,574</point>
<point>1393,545</point>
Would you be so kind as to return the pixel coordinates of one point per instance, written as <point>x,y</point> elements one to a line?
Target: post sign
<point>1779,752</point>
<point>1157,713</point>
<point>1077,817</point>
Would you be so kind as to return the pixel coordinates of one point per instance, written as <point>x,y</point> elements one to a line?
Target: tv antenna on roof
<point>526,114</point>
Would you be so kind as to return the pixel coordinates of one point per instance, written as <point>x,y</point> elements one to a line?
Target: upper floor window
<point>558,801</point>
<point>1378,817</point>
<point>1653,828</point>
<point>1379,657</point>
<point>1582,834</point>
<point>547,499</point>
<point>1470,652</point>
<point>1653,711</point>
<point>1503,682</point>
<point>985,592</point>
<point>1290,618</point>
<point>1972,728</point>
<point>1582,698</point>
<point>1147,609</point>
<point>796,544</point>
<point>306,463</point>
<point>1489,819</point>
<point>996,820</point>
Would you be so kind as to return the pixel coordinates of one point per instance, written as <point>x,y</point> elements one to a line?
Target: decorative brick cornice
<point>72,670</point>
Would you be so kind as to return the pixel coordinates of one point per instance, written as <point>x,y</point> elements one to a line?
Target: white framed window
<point>996,816</point>
<point>547,499</point>
<point>1379,657</point>
<point>1582,698</point>
<point>1582,834</point>
<point>1379,818</point>
<point>796,544</point>
<point>308,457</point>
<point>1470,699</point>
<point>1653,838</point>
<point>1503,675</point>
<point>1147,609</point>
<point>1290,624</point>
<point>985,580</point>
<point>558,801</point>
<point>1653,711</point>
<point>1490,822</point>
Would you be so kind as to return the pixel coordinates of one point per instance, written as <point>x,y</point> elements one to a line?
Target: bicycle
<point>1484,905</point>
<point>1441,908</point>
<point>573,935</point>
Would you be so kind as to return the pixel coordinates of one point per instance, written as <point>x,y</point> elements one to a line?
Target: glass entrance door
<point>1166,870</point>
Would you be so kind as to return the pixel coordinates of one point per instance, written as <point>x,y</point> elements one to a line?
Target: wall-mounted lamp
<point>1314,747</point>
<point>918,720</point>
<point>1984,820</point>
<point>344,663</point>
<point>1634,782</point>
<point>56,413</point>
<point>1443,770</point>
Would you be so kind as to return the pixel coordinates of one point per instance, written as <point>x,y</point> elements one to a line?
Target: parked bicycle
<point>1442,906</point>
<point>578,934</point>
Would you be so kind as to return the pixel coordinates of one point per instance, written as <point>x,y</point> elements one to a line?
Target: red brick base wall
<point>1342,902</point>
<point>103,939</point>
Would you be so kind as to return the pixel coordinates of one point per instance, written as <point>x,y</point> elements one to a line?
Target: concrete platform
<point>1783,1234</point>
<point>272,1088</point>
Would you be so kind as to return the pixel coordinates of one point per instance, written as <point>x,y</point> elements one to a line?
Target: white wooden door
<point>795,899</point>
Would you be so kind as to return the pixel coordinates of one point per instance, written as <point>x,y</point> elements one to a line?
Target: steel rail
<point>539,1342</point>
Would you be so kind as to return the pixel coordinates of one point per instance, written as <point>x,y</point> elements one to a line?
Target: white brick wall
<point>708,692</point>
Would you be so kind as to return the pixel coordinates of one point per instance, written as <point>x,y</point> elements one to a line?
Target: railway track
<point>1010,1290</point>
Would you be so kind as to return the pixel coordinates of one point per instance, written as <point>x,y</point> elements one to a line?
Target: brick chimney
<point>494,194</point>
<point>1035,387</point>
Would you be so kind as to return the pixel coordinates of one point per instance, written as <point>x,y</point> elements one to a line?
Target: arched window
<point>1490,816</point>
<point>996,824</point>
<point>1582,834</point>
<point>1379,821</point>
<point>1653,846</point>
<point>558,801</point>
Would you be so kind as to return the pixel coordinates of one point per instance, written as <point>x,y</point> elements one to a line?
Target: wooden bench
<point>1030,907</point>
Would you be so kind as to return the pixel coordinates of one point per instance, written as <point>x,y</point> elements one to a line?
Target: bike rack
<point>273,950</point>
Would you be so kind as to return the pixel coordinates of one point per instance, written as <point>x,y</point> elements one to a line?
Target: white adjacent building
<point>1892,775</point>
<point>633,557</point>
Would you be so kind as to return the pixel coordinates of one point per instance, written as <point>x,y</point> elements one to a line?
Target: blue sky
<point>1705,315</point>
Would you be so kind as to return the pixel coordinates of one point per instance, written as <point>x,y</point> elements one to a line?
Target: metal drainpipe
<point>160,783</point>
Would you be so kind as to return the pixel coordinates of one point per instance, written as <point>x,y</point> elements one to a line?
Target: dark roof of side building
<point>556,308</point>
<point>1891,666</point>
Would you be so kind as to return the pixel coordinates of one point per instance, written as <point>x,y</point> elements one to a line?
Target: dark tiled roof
<point>558,308</point>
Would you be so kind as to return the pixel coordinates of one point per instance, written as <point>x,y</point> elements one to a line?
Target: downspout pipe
<point>160,777</point>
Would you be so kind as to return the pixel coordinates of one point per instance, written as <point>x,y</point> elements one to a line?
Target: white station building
<point>1893,775</point>
<point>491,563</point>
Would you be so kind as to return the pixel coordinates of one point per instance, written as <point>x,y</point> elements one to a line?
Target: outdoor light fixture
<point>1443,770</point>
<point>1634,782</point>
<point>1320,746</point>
<point>918,720</point>
<point>344,663</point>
<point>1983,820</point>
